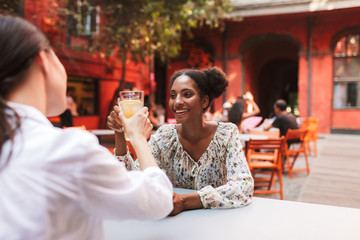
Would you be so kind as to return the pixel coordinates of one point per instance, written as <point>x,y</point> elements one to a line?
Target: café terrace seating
<point>264,158</point>
<point>311,125</point>
<point>294,145</point>
<point>272,133</point>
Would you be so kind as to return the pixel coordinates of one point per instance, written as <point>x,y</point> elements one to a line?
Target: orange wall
<point>248,33</point>
<point>241,35</point>
<point>81,63</point>
<point>346,119</point>
<point>303,85</point>
<point>234,77</point>
<point>321,90</point>
<point>90,122</point>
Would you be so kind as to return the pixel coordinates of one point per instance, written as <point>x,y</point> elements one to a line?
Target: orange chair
<point>111,150</point>
<point>56,121</point>
<point>262,156</point>
<point>131,150</point>
<point>311,125</point>
<point>271,134</point>
<point>297,135</point>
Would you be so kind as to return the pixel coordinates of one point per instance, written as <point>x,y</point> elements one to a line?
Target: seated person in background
<point>67,116</point>
<point>237,112</point>
<point>152,115</point>
<point>196,154</point>
<point>283,121</point>
<point>222,116</point>
<point>66,119</point>
<point>55,183</point>
<point>71,104</point>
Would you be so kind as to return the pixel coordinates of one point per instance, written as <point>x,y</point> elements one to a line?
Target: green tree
<point>14,7</point>
<point>139,28</point>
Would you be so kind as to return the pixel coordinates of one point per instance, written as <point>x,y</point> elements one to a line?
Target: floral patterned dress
<point>221,175</point>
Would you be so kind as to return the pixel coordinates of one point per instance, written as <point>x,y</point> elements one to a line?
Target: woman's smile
<point>181,112</point>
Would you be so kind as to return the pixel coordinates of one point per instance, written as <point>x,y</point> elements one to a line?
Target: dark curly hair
<point>210,82</point>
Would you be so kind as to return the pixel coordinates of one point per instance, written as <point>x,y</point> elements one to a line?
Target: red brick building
<point>306,52</point>
<point>92,80</point>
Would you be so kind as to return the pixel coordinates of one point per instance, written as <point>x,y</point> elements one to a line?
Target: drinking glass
<point>130,102</point>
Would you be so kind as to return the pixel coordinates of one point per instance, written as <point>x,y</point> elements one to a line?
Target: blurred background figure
<point>71,104</point>
<point>284,120</point>
<point>66,118</point>
<point>223,116</point>
<point>160,112</point>
<point>244,108</point>
<point>208,116</point>
<point>156,114</point>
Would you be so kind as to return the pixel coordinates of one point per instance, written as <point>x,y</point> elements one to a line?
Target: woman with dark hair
<point>196,154</point>
<point>60,184</point>
<point>237,112</point>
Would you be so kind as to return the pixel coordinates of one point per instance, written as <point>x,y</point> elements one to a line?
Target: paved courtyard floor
<point>334,174</point>
<point>334,177</point>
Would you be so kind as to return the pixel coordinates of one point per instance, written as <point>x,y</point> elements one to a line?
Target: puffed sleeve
<point>107,190</point>
<point>238,190</point>
<point>127,159</point>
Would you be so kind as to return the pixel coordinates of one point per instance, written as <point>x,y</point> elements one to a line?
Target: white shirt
<point>60,184</point>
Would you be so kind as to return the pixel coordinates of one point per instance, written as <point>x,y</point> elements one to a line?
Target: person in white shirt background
<point>60,184</point>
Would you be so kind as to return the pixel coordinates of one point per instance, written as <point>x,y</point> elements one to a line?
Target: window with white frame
<point>346,91</point>
<point>87,21</point>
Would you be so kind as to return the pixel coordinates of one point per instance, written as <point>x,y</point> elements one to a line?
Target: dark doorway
<point>160,79</point>
<point>278,78</point>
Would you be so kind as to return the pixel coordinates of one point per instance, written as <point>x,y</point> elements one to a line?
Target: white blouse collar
<point>29,112</point>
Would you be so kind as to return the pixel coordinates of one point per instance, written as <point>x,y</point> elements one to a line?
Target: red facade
<point>81,64</point>
<point>268,56</point>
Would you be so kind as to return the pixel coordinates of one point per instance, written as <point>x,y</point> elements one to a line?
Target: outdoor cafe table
<point>247,137</point>
<point>263,219</point>
<point>102,132</point>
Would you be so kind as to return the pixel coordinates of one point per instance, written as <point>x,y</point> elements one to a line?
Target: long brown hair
<point>20,42</point>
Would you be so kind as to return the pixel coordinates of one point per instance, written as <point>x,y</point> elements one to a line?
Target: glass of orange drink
<point>130,102</point>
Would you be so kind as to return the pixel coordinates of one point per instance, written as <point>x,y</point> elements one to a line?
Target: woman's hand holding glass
<point>114,122</point>
<point>136,126</point>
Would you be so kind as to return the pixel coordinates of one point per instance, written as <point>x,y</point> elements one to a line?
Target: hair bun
<point>217,81</point>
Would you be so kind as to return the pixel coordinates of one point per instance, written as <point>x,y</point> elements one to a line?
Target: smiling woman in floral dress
<point>197,154</point>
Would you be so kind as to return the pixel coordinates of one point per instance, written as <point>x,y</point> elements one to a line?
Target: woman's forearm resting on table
<point>238,190</point>
<point>231,195</point>
<point>187,201</point>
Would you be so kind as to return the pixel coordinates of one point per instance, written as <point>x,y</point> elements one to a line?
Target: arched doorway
<point>270,65</point>
<point>278,78</point>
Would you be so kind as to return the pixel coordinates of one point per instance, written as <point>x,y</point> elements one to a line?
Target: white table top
<point>263,219</point>
<point>102,132</point>
<point>246,137</point>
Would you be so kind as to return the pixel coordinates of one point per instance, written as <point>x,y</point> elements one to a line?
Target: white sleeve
<point>108,190</point>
